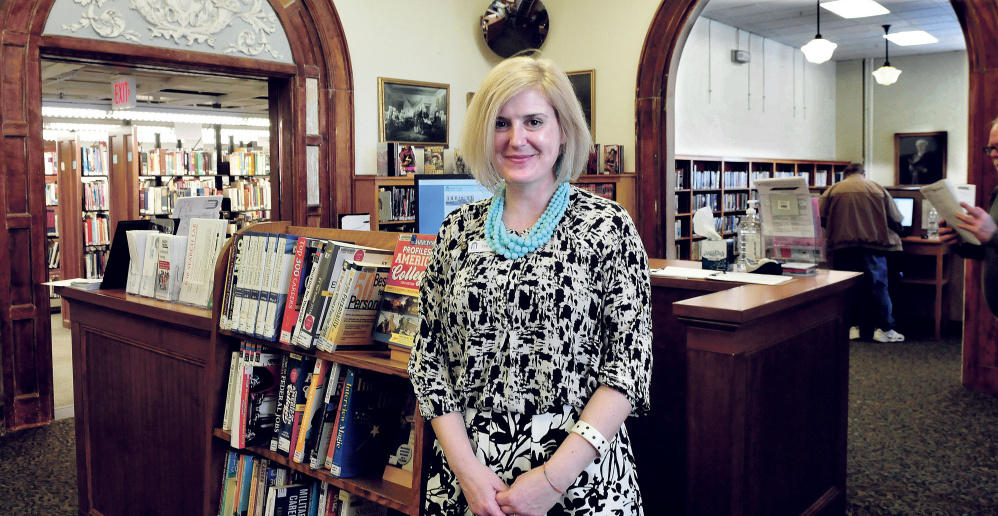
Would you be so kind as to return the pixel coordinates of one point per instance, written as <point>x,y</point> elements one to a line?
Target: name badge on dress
<point>479,246</point>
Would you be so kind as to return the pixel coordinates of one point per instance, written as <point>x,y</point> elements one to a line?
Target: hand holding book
<point>975,221</point>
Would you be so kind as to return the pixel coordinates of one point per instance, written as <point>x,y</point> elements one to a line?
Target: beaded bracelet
<point>550,483</point>
<point>591,434</point>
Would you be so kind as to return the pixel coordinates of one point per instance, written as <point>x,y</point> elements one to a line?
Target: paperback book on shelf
<point>397,323</point>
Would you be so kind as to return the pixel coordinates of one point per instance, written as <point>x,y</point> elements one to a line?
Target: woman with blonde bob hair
<point>535,339</point>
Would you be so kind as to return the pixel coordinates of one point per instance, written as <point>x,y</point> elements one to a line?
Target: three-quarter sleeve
<point>627,358</point>
<point>428,363</point>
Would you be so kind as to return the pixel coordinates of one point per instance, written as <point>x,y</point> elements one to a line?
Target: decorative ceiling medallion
<point>196,21</point>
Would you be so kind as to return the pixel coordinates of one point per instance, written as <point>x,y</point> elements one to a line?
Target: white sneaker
<point>854,333</point>
<point>887,336</point>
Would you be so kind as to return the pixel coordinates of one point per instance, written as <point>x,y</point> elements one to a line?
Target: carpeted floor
<point>919,443</point>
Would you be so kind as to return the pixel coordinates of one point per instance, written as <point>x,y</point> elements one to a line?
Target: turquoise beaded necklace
<point>513,246</point>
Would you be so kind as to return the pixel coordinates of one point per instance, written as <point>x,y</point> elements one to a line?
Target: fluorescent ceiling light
<point>912,37</point>
<point>855,8</point>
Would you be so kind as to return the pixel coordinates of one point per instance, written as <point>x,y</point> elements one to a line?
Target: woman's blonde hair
<point>506,80</point>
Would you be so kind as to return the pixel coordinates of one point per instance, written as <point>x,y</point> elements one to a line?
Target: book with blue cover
<point>370,409</point>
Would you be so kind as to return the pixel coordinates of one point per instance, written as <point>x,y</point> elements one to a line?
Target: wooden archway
<point>319,52</point>
<point>654,108</point>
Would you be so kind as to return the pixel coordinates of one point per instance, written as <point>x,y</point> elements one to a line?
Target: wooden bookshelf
<point>403,499</point>
<point>618,187</point>
<point>726,184</point>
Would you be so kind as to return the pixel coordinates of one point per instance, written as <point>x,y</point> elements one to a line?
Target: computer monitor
<point>906,205</point>
<point>439,194</point>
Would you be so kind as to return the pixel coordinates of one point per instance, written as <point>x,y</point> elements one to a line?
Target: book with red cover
<point>398,317</point>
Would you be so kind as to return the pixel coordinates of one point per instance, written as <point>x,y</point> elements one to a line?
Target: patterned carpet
<point>919,443</point>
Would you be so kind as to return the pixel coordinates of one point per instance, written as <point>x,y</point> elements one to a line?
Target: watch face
<point>511,26</point>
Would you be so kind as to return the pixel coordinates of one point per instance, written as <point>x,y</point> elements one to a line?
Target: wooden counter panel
<point>140,331</point>
<point>767,415</point>
<point>129,419</point>
<point>162,311</point>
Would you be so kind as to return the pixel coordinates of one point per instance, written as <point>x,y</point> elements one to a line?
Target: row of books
<point>95,229</point>
<point>52,254</point>
<point>396,203</point>
<point>51,194</point>
<point>94,261</point>
<point>324,294</point>
<point>158,162</point>
<point>255,486</point>
<point>247,162</point>
<point>317,412</point>
<point>162,199</point>
<point>736,201</point>
<point>51,223</point>
<point>248,195</point>
<point>95,195</point>
<point>605,190</point>
<point>93,160</point>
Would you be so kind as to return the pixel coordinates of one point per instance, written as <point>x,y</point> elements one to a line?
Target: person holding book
<point>983,225</point>
<point>861,226</point>
<point>535,342</point>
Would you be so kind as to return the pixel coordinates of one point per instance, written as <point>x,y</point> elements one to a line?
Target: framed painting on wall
<point>412,112</point>
<point>584,83</point>
<point>919,158</point>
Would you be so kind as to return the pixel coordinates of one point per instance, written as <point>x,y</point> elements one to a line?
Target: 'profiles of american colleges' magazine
<point>398,319</point>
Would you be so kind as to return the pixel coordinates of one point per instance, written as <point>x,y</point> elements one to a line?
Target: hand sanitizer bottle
<point>749,239</point>
<point>933,223</point>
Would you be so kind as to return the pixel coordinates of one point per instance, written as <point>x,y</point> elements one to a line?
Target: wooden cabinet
<point>725,184</point>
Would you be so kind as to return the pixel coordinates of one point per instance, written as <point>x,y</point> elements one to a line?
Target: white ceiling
<point>793,23</point>
<point>90,83</point>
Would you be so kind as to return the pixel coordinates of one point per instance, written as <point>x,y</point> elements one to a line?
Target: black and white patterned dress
<point>519,346</point>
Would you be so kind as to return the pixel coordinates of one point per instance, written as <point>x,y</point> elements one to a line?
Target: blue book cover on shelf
<point>369,420</point>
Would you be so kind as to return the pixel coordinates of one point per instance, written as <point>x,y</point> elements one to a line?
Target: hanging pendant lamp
<point>887,74</point>
<point>819,49</point>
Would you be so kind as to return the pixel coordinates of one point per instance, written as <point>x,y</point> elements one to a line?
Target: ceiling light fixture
<point>856,8</point>
<point>819,49</point>
<point>887,74</point>
<point>912,37</point>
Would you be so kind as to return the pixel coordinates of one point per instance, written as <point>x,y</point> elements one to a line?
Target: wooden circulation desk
<point>749,397</point>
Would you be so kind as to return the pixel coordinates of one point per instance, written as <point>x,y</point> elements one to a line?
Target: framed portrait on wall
<point>919,158</point>
<point>584,83</point>
<point>412,112</point>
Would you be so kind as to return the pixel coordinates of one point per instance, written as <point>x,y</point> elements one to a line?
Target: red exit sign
<point>123,92</point>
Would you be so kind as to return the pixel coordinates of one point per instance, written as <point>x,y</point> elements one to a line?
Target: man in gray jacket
<point>861,224</point>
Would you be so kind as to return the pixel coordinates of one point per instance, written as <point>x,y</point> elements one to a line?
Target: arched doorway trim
<point>319,52</point>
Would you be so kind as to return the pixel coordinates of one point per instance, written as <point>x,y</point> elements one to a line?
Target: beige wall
<point>817,114</point>
<point>931,95</point>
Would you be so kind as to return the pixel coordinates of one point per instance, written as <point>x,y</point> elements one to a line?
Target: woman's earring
<point>561,150</point>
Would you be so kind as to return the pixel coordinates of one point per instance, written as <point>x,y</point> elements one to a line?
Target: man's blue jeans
<point>871,307</point>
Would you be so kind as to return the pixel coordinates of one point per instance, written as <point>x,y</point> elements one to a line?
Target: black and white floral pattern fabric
<point>512,444</point>
<point>527,338</point>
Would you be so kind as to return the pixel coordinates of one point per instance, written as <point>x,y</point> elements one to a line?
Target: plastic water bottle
<point>933,221</point>
<point>749,240</point>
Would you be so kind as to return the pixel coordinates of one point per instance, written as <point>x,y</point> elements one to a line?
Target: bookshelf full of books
<point>241,176</point>
<point>725,184</point>
<point>391,200</point>
<point>52,220</point>
<point>297,310</point>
